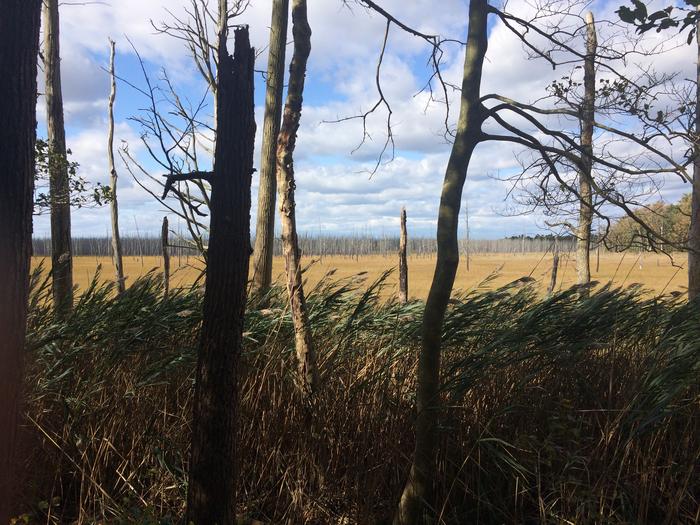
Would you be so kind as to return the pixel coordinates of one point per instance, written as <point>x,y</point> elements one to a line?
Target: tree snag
<point>694,232</point>
<point>113,205</point>
<point>19,47</point>
<point>61,251</point>
<point>166,257</point>
<point>285,185</point>
<point>265,226</point>
<point>403,263</point>
<point>211,495</point>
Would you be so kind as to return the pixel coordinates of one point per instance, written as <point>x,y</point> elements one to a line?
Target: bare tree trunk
<point>265,226</point>
<point>166,257</point>
<point>555,269</point>
<point>19,47</point>
<point>61,253</point>
<point>114,206</point>
<point>466,220</point>
<point>583,246</point>
<point>416,499</point>
<point>285,184</point>
<point>694,233</point>
<point>211,495</point>
<point>403,262</point>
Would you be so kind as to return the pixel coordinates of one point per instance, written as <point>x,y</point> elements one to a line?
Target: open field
<point>657,273</point>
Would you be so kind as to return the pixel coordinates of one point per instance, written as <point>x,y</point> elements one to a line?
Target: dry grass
<point>654,272</point>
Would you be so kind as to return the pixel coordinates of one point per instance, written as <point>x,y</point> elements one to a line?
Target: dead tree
<point>166,257</point>
<point>61,251</point>
<point>286,185</point>
<point>555,269</point>
<point>403,262</point>
<point>114,206</point>
<point>19,47</point>
<point>265,225</point>
<point>211,495</point>
<point>694,231</point>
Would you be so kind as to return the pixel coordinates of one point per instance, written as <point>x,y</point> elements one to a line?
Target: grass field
<point>657,273</point>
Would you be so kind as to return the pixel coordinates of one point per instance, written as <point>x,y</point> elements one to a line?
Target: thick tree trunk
<point>583,244</point>
<point>166,257</point>
<point>285,184</point>
<point>61,252</point>
<point>19,46</point>
<point>211,496</point>
<point>114,205</point>
<point>694,233</point>
<point>403,262</point>
<point>416,499</point>
<point>265,226</point>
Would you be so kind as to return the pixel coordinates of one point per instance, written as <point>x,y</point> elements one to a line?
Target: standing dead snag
<point>403,263</point>
<point>417,494</point>
<point>211,495</point>
<point>61,252</point>
<point>166,257</point>
<point>114,207</point>
<point>285,185</point>
<point>694,231</point>
<point>265,226</point>
<point>555,269</point>
<point>587,119</point>
<point>19,46</point>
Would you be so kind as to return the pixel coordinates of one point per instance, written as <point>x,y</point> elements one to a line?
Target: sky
<point>337,193</point>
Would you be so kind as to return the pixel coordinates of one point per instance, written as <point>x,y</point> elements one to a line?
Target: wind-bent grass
<point>557,410</point>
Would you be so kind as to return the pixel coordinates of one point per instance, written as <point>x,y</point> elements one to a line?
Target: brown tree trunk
<point>19,47</point>
<point>285,184</point>
<point>694,233</point>
<point>416,499</point>
<point>403,262</point>
<point>61,252</point>
<point>265,226</point>
<point>583,244</point>
<point>211,496</point>
<point>166,257</point>
<point>555,270</point>
<point>114,206</point>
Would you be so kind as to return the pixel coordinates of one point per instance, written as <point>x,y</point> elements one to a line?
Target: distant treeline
<point>350,246</point>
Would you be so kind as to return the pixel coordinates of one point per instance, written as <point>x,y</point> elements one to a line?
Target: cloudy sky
<point>336,194</point>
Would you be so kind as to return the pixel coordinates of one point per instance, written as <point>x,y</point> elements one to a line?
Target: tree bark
<point>416,500</point>
<point>694,232</point>
<point>19,47</point>
<point>61,252</point>
<point>166,257</point>
<point>555,270</point>
<point>285,183</point>
<point>585,221</point>
<point>114,206</point>
<point>265,226</point>
<point>403,262</point>
<point>211,496</point>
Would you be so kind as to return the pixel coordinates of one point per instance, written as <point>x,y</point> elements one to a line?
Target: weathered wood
<point>166,257</point>
<point>59,187</point>
<point>114,205</point>
<point>19,47</point>
<point>265,224</point>
<point>211,495</point>
<point>403,262</point>
<point>555,269</point>
<point>286,184</point>
<point>694,231</point>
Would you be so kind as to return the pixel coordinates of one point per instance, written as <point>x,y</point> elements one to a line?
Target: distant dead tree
<point>403,261</point>
<point>166,257</point>
<point>19,48</point>
<point>61,254</point>
<point>265,224</point>
<point>286,184</point>
<point>114,206</point>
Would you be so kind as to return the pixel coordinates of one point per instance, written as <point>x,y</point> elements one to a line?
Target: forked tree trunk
<point>166,257</point>
<point>285,184</point>
<point>265,225</point>
<point>19,47</point>
<point>211,495</point>
<point>403,262</point>
<point>114,206</point>
<point>694,233</point>
<point>416,499</point>
<point>585,221</point>
<point>61,252</point>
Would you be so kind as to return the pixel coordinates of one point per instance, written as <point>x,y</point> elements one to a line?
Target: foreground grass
<point>559,410</point>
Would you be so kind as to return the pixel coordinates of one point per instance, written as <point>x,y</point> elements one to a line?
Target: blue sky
<point>335,193</point>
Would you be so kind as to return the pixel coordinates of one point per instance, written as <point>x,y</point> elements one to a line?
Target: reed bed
<point>570,409</point>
